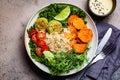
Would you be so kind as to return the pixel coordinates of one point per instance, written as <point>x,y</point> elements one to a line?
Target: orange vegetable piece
<point>78,40</point>
<point>72,29</point>
<point>80,48</point>
<point>71,19</point>
<point>85,35</point>
<point>78,23</point>
<point>72,42</point>
<point>69,36</point>
<point>85,26</point>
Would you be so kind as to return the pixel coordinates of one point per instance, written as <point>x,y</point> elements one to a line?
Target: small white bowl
<point>101,8</point>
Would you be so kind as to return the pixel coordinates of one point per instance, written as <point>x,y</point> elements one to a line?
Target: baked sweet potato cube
<point>71,19</point>
<point>80,48</point>
<point>72,30</point>
<point>78,23</point>
<point>85,35</point>
<point>69,36</point>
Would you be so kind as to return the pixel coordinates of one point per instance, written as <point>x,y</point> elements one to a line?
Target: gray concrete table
<point>14,15</point>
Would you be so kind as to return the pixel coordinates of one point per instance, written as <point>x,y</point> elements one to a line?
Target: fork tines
<point>109,48</point>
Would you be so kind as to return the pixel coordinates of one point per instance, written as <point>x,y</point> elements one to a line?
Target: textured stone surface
<point>14,15</point>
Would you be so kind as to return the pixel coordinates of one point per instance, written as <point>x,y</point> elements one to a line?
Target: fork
<point>105,52</point>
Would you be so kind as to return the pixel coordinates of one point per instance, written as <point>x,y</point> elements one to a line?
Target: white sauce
<point>101,7</point>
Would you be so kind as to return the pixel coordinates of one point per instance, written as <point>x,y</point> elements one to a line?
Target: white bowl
<point>93,44</point>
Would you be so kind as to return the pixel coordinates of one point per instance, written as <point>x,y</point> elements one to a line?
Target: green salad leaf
<point>32,27</point>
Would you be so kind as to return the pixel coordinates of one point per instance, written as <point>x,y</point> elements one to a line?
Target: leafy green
<point>79,12</point>
<point>32,27</point>
<point>66,62</point>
